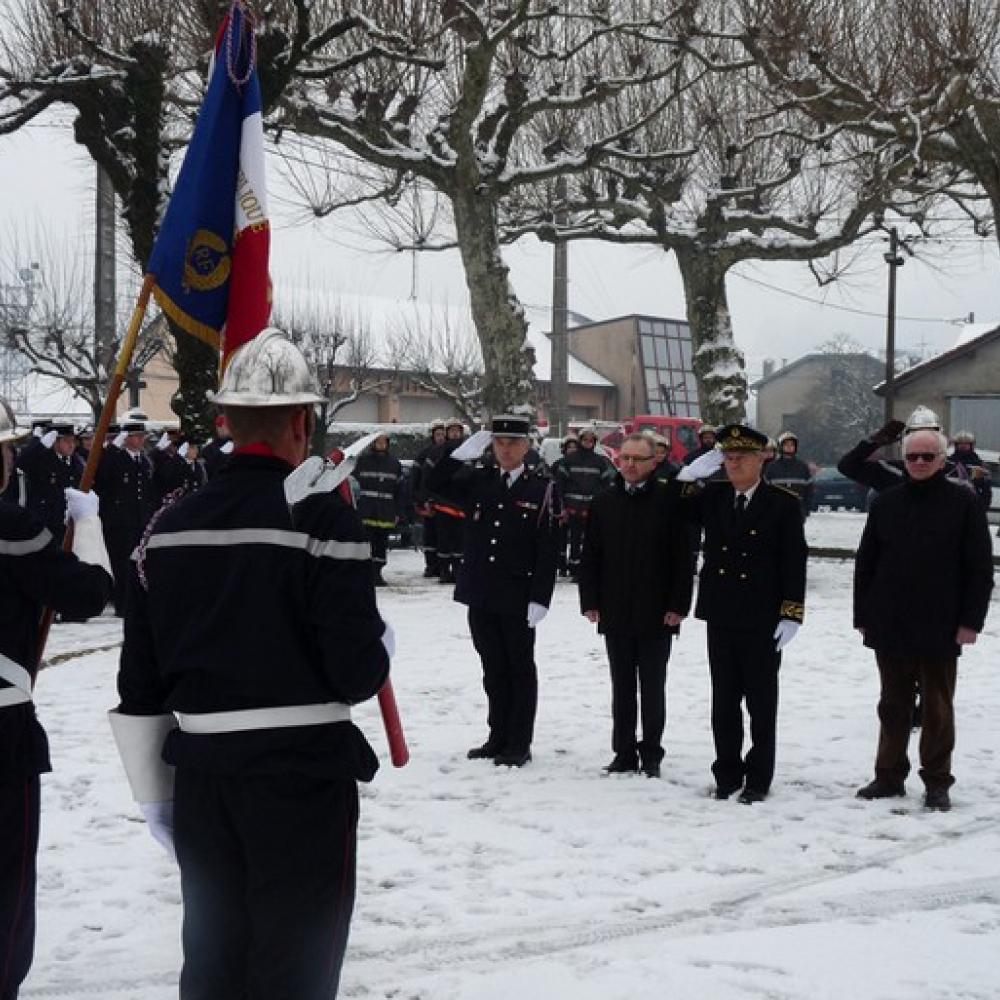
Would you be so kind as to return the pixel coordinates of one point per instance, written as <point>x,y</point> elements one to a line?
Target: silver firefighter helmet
<point>923,419</point>
<point>9,431</point>
<point>267,371</point>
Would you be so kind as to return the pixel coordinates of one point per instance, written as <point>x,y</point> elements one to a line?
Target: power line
<point>848,309</point>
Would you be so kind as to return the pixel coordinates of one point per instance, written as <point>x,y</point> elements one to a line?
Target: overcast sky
<point>47,181</point>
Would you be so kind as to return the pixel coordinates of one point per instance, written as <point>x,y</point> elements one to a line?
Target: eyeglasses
<point>635,459</point>
<point>922,456</point>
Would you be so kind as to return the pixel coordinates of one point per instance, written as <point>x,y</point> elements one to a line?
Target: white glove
<point>164,443</point>
<point>37,432</point>
<point>536,612</point>
<point>389,640</point>
<point>227,448</point>
<point>784,633</point>
<point>702,467</point>
<point>49,438</point>
<point>474,447</point>
<point>159,817</point>
<point>80,505</point>
<point>184,449</point>
<point>120,439</point>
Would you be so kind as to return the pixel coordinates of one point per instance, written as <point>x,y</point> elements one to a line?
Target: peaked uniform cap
<point>739,437</point>
<point>511,425</point>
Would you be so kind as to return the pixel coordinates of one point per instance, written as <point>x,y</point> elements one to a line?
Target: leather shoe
<point>512,759</point>
<point>937,798</point>
<point>651,769</point>
<point>724,793</point>
<point>485,752</point>
<point>880,788</point>
<point>623,764</point>
<point>751,795</point>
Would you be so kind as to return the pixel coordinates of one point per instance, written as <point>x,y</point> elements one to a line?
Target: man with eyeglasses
<point>751,593</point>
<point>923,577</point>
<point>635,584</point>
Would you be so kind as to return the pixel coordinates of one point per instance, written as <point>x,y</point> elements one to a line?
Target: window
<point>666,360</point>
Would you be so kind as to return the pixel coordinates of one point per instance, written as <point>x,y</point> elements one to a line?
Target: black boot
<point>881,788</point>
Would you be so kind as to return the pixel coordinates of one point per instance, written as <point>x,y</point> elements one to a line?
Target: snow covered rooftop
<point>971,336</point>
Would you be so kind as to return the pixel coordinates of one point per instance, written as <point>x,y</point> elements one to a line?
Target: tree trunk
<point>197,368</point>
<point>508,380</point>
<point>718,365</point>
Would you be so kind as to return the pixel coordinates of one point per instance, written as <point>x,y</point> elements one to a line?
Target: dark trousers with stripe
<point>19,809</point>
<point>642,658</point>
<point>431,542</point>
<point>268,878</point>
<point>744,666</point>
<point>506,646</point>
<point>379,541</point>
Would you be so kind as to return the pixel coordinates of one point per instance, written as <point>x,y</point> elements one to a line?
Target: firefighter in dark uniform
<point>34,573</point>
<point>583,474</point>
<point>216,453</point>
<point>665,469</point>
<point>49,465</point>
<point>251,630</point>
<point>129,496</point>
<point>751,593</point>
<point>507,574</point>
<point>450,516</point>
<point>790,471</point>
<point>706,443</point>
<point>423,463</point>
<point>380,486</point>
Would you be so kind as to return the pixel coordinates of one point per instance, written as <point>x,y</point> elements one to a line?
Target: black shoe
<point>937,798</point>
<point>881,788</point>
<point>512,759</point>
<point>623,764</point>
<point>751,795</point>
<point>721,792</point>
<point>651,770</point>
<point>486,752</point>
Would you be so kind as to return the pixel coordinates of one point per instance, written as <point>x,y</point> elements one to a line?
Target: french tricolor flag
<point>210,259</point>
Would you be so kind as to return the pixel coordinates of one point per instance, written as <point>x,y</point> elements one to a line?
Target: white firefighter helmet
<point>787,436</point>
<point>964,437</point>
<point>267,371</point>
<point>9,431</point>
<point>923,419</point>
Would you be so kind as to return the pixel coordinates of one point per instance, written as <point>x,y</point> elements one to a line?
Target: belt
<point>278,717</point>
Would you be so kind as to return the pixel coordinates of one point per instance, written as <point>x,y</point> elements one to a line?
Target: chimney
<point>768,367</point>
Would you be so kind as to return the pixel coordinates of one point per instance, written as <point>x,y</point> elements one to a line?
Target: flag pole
<point>101,430</point>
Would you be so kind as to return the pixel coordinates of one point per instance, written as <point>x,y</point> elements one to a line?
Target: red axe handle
<point>399,752</point>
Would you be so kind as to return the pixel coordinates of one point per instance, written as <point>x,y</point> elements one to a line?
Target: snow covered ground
<point>558,882</point>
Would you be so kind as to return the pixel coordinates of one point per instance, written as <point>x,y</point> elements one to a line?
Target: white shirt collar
<point>749,492</point>
<point>513,474</point>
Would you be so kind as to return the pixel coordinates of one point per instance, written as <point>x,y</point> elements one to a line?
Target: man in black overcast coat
<point>635,580</point>
<point>923,577</point>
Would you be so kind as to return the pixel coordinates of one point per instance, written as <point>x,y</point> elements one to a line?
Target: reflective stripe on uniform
<point>26,546</point>
<point>13,696</point>
<point>13,673</point>
<point>279,717</point>
<point>262,536</point>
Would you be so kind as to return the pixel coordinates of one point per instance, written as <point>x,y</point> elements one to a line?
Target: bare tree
<point>922,75</point>
<point>468,124</point>
<point>133,72</point>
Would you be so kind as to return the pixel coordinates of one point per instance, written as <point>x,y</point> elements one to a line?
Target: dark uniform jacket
<point>46,476</point>
<point>35,573</point>
<point>511,536</point>
<point>248,608</point>
<point>923,568</point>
<point>126,488</point>
<point>173,473</point>
<point>213,455</point>
<point>754,570</point>
<point>792,473</point>
<point>636,562</point>
<point>380,483</point>
<point>581,477</point>
<point>963,462</point>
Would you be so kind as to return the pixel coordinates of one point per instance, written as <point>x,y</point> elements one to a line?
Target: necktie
<point>741,504</point>
<point>506,480</point>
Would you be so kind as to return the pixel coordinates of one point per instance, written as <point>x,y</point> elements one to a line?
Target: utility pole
<point>559,385</point>
<point>894,260</point>
<point>104,274</point>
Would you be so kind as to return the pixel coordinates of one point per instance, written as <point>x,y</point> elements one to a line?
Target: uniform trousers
<point>633,657</point>
<point>576,529</point>
<point>900,677</point>
<point>378,538</point>
<point>19,808</point>
<point>121,543</point>
<point>267,867</point>
<point>744,666</point>
<point>506,646</point>
<point>430,543</point>
<point>450,540</point>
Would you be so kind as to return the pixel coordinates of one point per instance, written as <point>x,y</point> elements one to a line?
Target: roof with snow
<point>386,319</point>
<point>971,337</point>
<point>817,355</point>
